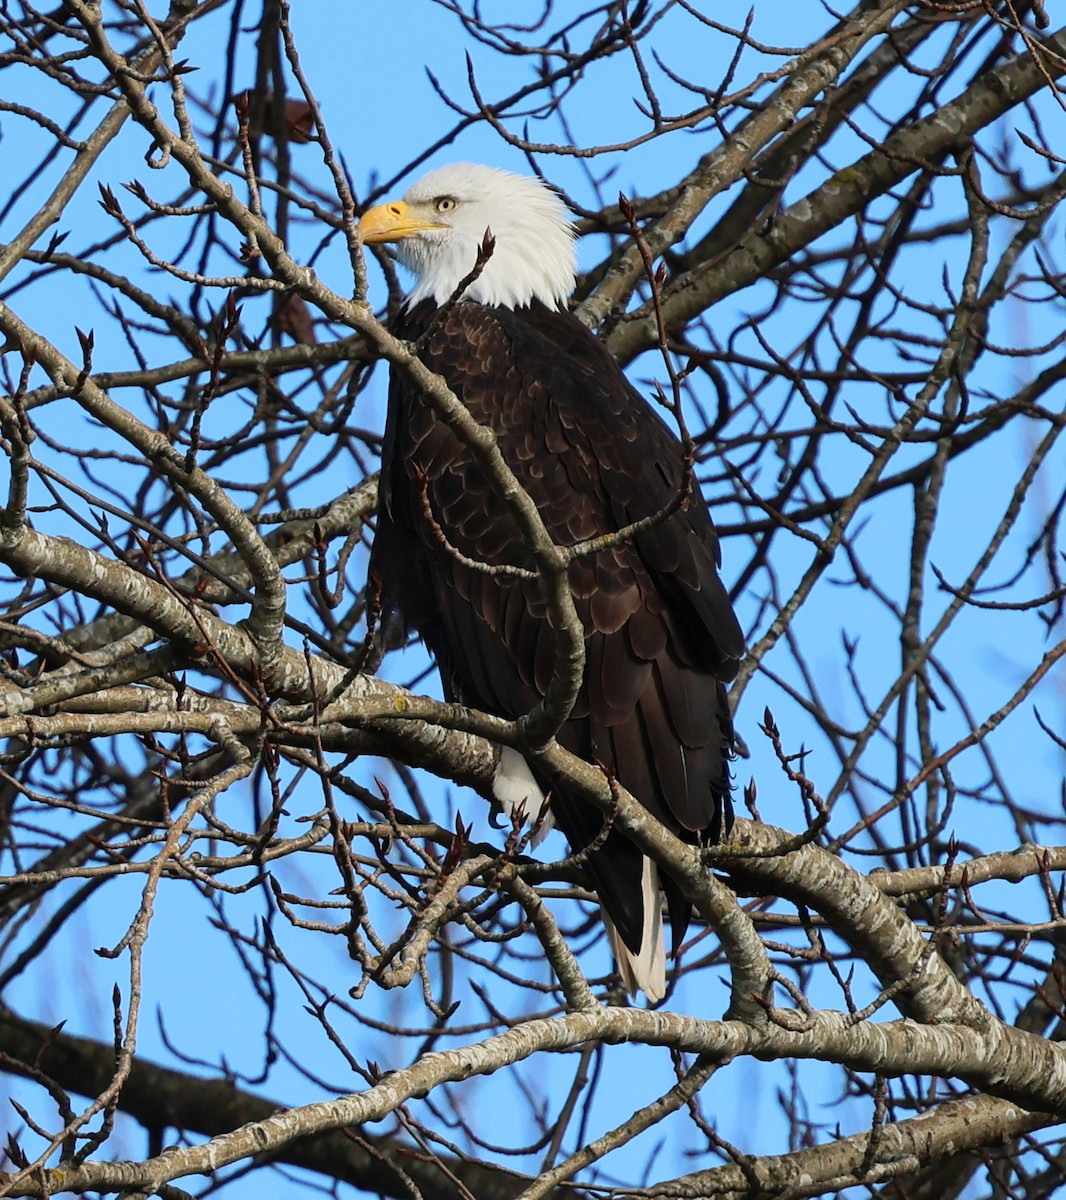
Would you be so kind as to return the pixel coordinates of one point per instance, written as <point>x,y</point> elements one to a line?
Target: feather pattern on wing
<point>660,629</point>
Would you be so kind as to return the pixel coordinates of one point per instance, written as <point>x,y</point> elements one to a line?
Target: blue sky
<point>367,66</point>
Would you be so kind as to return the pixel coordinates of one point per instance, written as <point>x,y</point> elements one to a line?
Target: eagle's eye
<point>445,204</point>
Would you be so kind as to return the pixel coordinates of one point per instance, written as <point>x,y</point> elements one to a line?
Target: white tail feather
<point>644,971</point>
<point>517,791</point>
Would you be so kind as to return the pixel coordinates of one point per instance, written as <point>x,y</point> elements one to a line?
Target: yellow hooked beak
<point>392,222</point>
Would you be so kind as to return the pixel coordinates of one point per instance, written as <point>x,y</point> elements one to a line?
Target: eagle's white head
<point>439,225</point>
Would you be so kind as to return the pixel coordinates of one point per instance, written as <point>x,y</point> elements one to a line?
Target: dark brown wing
<point>661,633</point>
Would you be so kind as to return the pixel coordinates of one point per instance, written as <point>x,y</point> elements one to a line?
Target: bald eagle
<point>661,635</point>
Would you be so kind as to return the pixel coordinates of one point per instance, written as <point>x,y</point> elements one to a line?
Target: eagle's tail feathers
<point>644,970</point>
